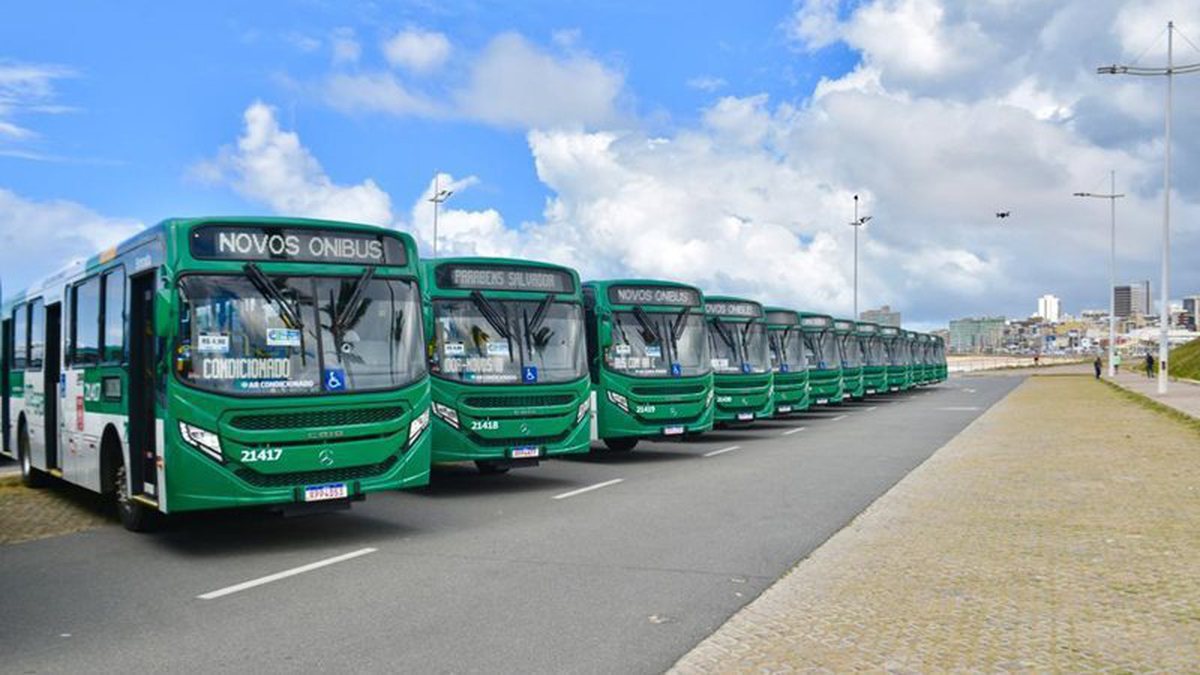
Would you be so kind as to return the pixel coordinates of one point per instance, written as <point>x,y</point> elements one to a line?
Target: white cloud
<point>38,237</point>
<point>378,92</point>
<point>706,83</point>
<point>460,232</point>
<point>271,166</point>
<point>346,48</point>
<point>814,24</point>
<point>26,89</point>
<point>416,50</point>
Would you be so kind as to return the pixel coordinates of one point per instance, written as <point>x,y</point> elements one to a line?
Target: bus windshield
<point>648,344</point>
<point>874,351</point>
<point>483,340</point>
<point>298,334</point>
<point>738,347</point>
<point>824,346</point>
<point>788,350</point>
<point>851,351</point>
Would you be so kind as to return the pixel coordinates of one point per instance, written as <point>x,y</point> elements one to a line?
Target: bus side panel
<point>7,446</point>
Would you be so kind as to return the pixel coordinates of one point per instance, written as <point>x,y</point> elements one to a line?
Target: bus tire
<point>134,517</point>
<point>623,444</point>
<point>30,477</point>
<point>491,468</point>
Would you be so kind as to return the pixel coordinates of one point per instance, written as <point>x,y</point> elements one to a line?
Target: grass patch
<point>1184,360</point>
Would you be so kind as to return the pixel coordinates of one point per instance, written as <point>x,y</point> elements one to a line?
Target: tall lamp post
<point>1112,198</point>
<point>857,223</point>
<point>1170,72</point>
<point>439,196</point>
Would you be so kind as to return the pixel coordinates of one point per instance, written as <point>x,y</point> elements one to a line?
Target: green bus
<point>223,362</point>
<point>899,373</point>
<point>741,359</point>
<point>505,341</point>
<point>923,372</point>
<point>939,355</point>
<point>913,345</point>
<point>852,358</point>
<point>788,360</point>
<point>824,359</point>
<point>649,359</point>
<point>874,358</point>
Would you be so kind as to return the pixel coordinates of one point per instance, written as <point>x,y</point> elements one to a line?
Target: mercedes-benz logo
<point>524,429</point>
<point>673,411</point>
<point>325,457</point>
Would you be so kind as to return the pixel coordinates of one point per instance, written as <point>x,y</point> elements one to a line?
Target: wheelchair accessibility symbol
<point>676,370</point>
<point>334,379</point>
<point>529,374</point>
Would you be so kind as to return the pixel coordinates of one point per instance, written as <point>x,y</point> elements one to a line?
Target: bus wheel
<point>621,444</point>
<point>490,468</point>
<point>134,516</point>
<point>30,477</point>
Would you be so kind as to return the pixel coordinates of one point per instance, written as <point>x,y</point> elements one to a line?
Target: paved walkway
<point>1182,396</point>
<point>1057,533</point>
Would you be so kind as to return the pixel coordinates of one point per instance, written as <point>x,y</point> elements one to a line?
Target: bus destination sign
<point>783,318</point>
<point>504,278</point>
<point>814,321</point>
<point>294,244</point>
<point>843,325</point>
<point>654,295</point>
<point>866,328</point>
<point>745,310</point>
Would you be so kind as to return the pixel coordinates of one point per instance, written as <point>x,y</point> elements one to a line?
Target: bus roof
<point>775,314</point>
<point>845,325</point>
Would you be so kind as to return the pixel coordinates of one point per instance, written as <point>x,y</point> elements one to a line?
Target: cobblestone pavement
<point>1056,533</point>
<point>27,514</point>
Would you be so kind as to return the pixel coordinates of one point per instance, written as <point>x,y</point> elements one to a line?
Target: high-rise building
<point>976,334</point>
<point>1049,308</point>
<point>1139,298</point>
<point>1121,301</point>
<point>1190,304</point>
<point>884,316</point>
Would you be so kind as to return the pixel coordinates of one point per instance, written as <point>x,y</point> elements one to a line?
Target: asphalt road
<point>481,573</point>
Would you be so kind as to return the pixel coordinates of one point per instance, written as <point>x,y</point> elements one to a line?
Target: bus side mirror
<point>605,336</point>
<point>165,314</point>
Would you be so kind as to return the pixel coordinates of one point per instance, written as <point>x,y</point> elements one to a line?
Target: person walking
<point>1149,364</point>
<point>1096,366</point>
<point>1116,364</point>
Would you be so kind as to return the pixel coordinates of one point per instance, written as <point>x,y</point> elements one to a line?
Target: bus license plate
<point>526,451</point>
<point>742,417</point>
<point>870,391</point>
<point>785,408</point>
<point>672,431</point>
<point>320,493</point>
<point>822,401</point>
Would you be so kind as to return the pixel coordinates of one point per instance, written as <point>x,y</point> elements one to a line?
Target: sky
<point>719,144</point>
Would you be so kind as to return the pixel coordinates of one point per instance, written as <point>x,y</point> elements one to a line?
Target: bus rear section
<point>896,348</point>
<point>507,354</point>
<point>874,358</point>
<point>741,362</point>
<point>824,361</point>
<point>852,359</point>
<point>648,354</point>
<point>788,360</point>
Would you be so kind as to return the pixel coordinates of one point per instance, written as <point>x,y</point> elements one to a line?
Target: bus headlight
<point>417,426</point>
<point>619,400</point>
<point>203,440</point>
<point>446,413</point>
<point>583,410</point>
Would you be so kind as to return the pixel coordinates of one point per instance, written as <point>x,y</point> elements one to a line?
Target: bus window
<point>20,337</point>
<point>85,322</point>
<point>37,334</point>
<point>114,316</point>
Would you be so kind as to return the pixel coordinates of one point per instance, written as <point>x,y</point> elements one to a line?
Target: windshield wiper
<point>271,292</point>
<point>494,318</point>
<point>649,335</point>
<point>354,302</point>
<point>534,337</point>
<point>719,325</point>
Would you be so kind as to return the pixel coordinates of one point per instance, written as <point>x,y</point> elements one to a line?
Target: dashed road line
<point>589,488</point>
<point>789,432</point>
<point>961,408</point>
<point>246,585</point>
<point>722,451</point>
<point>838,418</point>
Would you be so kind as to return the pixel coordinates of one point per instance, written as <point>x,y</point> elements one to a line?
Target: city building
<point>977,335</point>
<point>1139,298</point>
<point>1121,302</point>
<point>1190,304</point>
<point>1049,308</point>
<point>883,316</point>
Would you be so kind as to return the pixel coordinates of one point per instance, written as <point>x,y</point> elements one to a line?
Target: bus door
<point>143,445</point>
<point>6,341</point>
<point>51,385</point>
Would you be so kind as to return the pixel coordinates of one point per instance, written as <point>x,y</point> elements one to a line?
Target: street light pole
<point>857,223</point>
<point>1170,72</point>
<point>1112,198</point>
<point>439,196</point>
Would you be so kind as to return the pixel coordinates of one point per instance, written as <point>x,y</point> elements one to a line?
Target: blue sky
<point>715,143</point>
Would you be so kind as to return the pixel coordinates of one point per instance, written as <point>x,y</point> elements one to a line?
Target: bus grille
<point>520,441</point>
<point>518,401</point>
<point>275,480</point>
<point>675,390</point>
<point>317,419</point>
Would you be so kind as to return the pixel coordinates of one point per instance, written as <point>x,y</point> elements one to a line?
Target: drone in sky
<point>1003,214</point>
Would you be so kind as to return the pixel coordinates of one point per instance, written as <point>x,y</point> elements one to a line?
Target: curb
<point>1151,404</point>
<point>10,479</point>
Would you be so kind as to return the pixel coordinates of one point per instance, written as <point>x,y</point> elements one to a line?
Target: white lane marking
<point>212,595</point>
<point>960,408</point>
<point>838,418</point>
<point>868,409</point>
<point>789,432</point>
<point>968,391</point>
<point>589,488</point>
<point>722,451</point>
